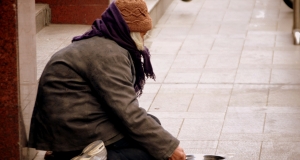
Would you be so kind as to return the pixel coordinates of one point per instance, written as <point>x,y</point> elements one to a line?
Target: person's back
<point>67,98</point>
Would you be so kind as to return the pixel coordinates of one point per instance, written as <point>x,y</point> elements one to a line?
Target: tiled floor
<point>228,76</point>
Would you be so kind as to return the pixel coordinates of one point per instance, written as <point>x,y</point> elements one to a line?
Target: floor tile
<point>267,4</point>
<point>286,58</point>
<point>241,5</point>
<point>146,100</point>
<point>171,102</point>
<point>159,47</point>
<point>161,62</point>
<point>259,40</point>
<point>243,123</point>
<point>178,88</point>
<point>215,75</point>
<point>280,150</point>
<point>285,76</point>
<point>151,88</point>
<point>215,61</point>
<point>189,115</point>
<point>197,43</point>
<point>259,137</point>
<point>249,96</point>
<point>253,76</point>
<point>268,109</point>
<point>233,28</point>
<point>282,123</point>
<point>256,57</point>
<point>172,125</point>
<point>237,150</point>
<point>210,100</point>
<point>237,15</point>
<point>217,4</point>
<point>284,97</point>
<point>205,28</point>
<point>200,129</point>
<point>263,13</point>
<point>210,15</point>
<point>189,61</point>
<point>181,76</point>
<point>203,147</point>
<point>285,40</point>
<point>222,44</point>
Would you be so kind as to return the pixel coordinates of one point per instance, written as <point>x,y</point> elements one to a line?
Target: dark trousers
<point>62,155</point>
<point>124,149</point>
<point>127,149</point>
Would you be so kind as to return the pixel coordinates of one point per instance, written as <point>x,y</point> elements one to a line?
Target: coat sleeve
<point>112,79</point>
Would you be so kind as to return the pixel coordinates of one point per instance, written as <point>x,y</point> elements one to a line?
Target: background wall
<point>27,69</point>
<point>9,92</point>
<point>18,76</point>
<point>75,12</point>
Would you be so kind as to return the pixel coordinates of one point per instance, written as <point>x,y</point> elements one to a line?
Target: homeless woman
<point>88,91</point>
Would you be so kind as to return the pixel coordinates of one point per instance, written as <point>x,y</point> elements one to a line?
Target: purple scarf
<point>113,26</point>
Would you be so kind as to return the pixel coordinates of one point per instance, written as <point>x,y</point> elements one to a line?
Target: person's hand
<point>178,154</point>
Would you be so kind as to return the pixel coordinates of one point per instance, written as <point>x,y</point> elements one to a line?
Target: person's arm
<point>112,79</point>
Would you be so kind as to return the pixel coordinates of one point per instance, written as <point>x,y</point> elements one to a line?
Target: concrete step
<point>157,8</point>
<point>42,16</point>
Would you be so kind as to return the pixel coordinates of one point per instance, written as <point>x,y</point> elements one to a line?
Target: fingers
<point>178,154</point>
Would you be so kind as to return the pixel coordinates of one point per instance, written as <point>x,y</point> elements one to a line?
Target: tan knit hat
<point>135,14</point>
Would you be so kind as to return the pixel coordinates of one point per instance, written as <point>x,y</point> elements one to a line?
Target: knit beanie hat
<point>135,14</point>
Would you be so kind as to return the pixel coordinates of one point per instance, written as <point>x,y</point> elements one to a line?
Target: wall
<point>75,12</point>
<point>28,69</point>
<point>18,80</point>
<point>9,92</point>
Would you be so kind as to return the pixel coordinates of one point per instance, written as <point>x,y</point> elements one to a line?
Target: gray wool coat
<point>85,94</point>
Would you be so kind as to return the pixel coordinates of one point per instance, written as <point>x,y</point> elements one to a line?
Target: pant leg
<point>124,149</point>
<point>63,155</point>
<point>127,149</point>
<point>128,154</point>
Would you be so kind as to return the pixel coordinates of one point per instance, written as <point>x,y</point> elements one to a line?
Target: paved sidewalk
<point>228,76</point>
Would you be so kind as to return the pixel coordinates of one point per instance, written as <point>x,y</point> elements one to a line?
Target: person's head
<point>136,15</point>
